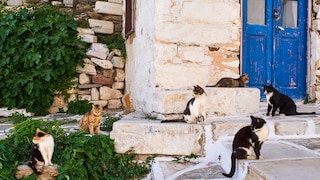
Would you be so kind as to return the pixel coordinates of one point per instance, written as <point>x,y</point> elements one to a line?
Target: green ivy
<point>40,51</point>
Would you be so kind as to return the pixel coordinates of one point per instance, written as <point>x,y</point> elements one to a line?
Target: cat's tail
<point>302,113</point>
<point>33,167</point>
<point>233,165</point>
<point>174,120</point>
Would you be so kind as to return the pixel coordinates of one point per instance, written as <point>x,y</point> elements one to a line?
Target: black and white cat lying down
<point>284,103</point>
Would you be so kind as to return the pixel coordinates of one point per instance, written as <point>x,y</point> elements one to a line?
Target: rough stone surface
<point>84,79</point>
<point>87,69</point>
<point>100,26</point>
<point>105,64</point>
<point>114,104</point>
<point>107,93</point>
<point>118,62</point>
<point>288,127</point>
<point>101,79</point>
<point>118,85</point>
<point>171,138</point>
<point>108,8</point>
<point>220,101</point>
<point>120,75</point>
<point>95,95</point>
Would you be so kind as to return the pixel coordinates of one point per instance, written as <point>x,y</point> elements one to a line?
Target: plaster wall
<point>314,39</point>
<point>181,43</point>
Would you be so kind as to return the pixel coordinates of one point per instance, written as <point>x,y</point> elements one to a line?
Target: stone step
<point>220,102</point>
<point>148,136</point>
<point>283,159</point>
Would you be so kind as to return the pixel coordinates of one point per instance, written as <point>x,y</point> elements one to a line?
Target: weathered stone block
<point>118,85</point>
<point>88,86</point>
<point>291,127</point>
<point>100,79</point>
<point>153,137</point>
<point>316,24</point>
<point>84,92</point>
<point>100,26</point>
<point>108,8</point>
<point>120,75</point>
<point>88,38</point>
<point>227,127</point>
<point>84,79</point>
<point>114,104</point>
<point>107,93</point>
<point>98,50</point>
<point>95,95</point>
<point>110,73</point>
<point>14,2</point>
<point>220,101</point>
<point>118,62</point>
<point>100,102</point>
<point>105,64</point>
<point>58,100</point>
<point>87,69</point>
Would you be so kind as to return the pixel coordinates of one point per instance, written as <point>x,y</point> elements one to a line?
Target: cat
<point>231,82</point>
<point>91,120</point>
<point>195,111</point>
<point>277,100</point>
<point>42,150</point>
<point>247,142</point>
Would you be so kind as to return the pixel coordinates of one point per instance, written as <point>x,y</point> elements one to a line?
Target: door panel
<point>274,47</point>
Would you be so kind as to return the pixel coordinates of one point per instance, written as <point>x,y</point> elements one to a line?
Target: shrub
<point>40,51</point>
<point>79,155</point>
<point>79,107</point>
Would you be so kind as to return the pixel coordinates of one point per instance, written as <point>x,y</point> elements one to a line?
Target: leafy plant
<point>40,51</point>
<point>115,41</point>
<point>79,107</point>
<point>108,122</point>
<point>79,155</point>
<point>308,99</point>
<point>17,118</point>
<point>185,159</point>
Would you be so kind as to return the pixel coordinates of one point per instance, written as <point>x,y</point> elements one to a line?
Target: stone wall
<point>178,44</point>
<point>315,51</point>
<point>101,80</point>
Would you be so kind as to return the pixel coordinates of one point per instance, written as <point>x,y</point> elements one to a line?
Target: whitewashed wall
<point>178,44</point>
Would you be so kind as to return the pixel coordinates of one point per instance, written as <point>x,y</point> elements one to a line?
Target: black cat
<point>277,100</point>
<point>247,142</point>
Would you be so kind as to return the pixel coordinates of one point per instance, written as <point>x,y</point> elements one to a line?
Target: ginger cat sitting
<point>91,120</point>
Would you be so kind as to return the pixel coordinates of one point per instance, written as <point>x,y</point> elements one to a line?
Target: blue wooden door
<point>274,48</point>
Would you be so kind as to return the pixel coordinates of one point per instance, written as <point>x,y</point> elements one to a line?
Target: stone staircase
<point>292,150</point>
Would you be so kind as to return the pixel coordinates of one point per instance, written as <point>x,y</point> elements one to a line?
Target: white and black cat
<point>195,111</point>
<point>284,103</point>
<point>247,142</point>
<point>42,150</point>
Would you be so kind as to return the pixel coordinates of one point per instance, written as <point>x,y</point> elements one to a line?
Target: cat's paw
<point>261,157</point>
<point>251,157</point>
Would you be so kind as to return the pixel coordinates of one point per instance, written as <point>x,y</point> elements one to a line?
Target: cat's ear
<point>253,118</point>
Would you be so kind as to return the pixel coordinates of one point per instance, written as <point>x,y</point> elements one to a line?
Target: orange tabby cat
<point>91,120</point>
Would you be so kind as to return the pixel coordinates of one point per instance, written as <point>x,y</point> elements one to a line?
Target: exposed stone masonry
<point>101,79</point>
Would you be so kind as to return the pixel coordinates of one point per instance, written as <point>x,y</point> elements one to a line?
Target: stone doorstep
<point>220,102</point>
